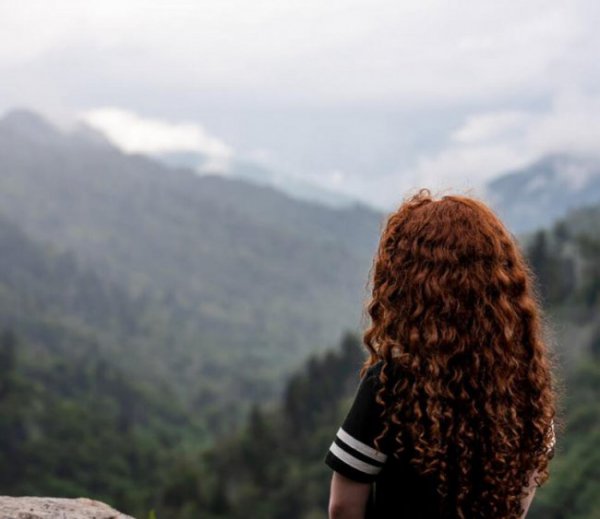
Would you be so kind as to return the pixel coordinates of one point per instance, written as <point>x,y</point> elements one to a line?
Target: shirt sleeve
<point>353,452</point>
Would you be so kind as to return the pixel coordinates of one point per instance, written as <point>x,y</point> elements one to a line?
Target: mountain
<point>543,192</point>
<point>243,280</point>
<point>262,175</point>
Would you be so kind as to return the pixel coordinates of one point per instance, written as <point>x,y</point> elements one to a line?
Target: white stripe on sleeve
<point>361,447</point>
<point>355,463</point>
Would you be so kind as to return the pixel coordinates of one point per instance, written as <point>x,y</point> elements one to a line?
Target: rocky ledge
<point>56,508</point>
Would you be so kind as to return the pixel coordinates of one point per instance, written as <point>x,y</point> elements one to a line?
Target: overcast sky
<point>369,97</point>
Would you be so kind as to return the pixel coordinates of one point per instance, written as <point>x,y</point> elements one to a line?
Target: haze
<point>367,99</point>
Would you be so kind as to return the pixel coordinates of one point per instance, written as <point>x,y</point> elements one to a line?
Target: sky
<point>369,98</point>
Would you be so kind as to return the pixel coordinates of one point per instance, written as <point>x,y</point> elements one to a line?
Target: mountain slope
<point>79,414</point>
<point>248,280</point>
<point>545,191</point>
<point>262,175</point>
<point>66,314</point>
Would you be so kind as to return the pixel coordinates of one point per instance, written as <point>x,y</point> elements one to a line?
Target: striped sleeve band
<point>353,458</point>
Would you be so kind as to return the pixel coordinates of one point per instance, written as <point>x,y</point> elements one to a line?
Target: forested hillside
<point>79,427</point>
<point>240,281</point>
<point>73,421</point>
<point>79,414</point>
<point>567,262</point>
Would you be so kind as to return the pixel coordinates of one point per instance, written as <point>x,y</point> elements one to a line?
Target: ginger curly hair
<point>466,383</point>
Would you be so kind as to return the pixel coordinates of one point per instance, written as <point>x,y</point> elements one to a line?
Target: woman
<point>454,415</point>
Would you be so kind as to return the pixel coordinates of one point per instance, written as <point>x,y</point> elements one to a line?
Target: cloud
<point>377,83</point>
<point>573,125</point>
<point>135,134</point>
<point>489,143</point>
<point>489,127</point>
<point>342,50</point>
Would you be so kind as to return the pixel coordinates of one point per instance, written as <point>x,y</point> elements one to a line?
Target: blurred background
<point>191,194</point>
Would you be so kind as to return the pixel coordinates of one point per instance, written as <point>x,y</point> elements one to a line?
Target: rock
<point>56,508</point>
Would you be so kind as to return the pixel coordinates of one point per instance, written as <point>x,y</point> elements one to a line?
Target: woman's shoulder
<point>373,374</point>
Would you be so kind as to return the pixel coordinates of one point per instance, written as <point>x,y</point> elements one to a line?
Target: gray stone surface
<point>56,508</point>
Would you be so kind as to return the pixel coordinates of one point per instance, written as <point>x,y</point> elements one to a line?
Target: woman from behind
<point>454,414</point>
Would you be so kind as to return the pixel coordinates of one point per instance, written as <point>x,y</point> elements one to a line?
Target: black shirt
<point>398,491</point>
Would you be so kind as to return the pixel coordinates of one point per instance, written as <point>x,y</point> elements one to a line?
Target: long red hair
<point>466,387</point>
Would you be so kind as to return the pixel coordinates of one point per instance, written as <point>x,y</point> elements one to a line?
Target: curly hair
<point>466,382</point>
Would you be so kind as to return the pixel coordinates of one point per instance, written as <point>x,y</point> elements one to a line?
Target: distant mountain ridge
<point>264,176</point>
<point>538,195</point>
<point>529,198</point>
